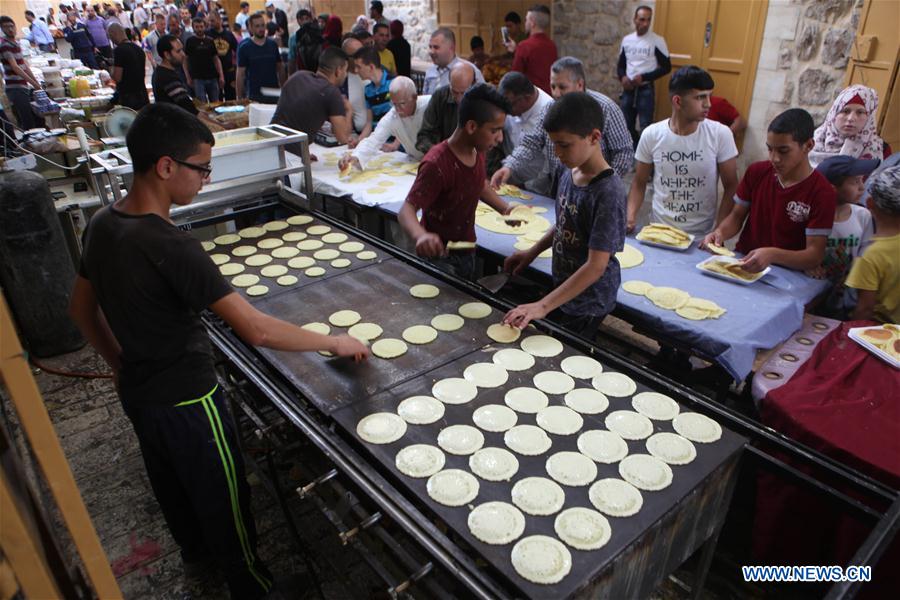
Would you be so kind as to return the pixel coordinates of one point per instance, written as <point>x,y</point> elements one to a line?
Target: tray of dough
<point>531,446</point>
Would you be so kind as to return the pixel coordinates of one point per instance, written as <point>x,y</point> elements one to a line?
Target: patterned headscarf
<point>865,144</point>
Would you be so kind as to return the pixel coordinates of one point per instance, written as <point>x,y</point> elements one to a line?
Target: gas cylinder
<point>36,271</point>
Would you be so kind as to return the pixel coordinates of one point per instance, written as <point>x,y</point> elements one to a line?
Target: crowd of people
<point>825,202</point>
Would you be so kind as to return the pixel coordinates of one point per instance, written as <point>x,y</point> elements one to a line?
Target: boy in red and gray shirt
<point>788,205</point>
<point>451,179</point>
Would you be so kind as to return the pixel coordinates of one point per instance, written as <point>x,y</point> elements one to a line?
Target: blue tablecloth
<point>760,316</point>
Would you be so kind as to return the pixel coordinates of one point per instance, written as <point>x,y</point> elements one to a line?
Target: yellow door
<point>347,10</point>
<point>874,63</point>
<point>467,18</point>
<point>721,36</point>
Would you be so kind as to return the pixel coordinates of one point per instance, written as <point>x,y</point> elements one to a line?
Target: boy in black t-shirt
<point>128,70</point>
<point>141,286</point>
<point>590,224</point>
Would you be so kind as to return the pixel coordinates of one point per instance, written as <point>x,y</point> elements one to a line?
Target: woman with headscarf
<point>849,127</point>
<point>334,30</point>
<point>362,24</point>
<point>399,47</point>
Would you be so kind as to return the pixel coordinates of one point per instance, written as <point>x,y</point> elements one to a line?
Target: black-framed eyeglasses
<point>205,170</point>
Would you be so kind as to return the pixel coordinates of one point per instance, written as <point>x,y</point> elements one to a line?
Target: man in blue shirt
<point>259,63</point>
<point>40,34</point>
<point>80,38</point>
<point>377,91</point>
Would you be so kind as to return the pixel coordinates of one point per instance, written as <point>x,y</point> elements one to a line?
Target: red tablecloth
<point>845,403</point>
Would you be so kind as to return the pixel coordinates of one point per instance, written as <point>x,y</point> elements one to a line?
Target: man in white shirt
<point>686,154</point>
<point>643,58</point>
<point>241,17</point>
<point>140,17</point>
<point>356,94</point>
<point>529,103</point>
<point>402,122</point>
<point>442,50</point>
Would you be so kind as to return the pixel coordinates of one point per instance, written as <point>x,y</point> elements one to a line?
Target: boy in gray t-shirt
<point>590,224</point>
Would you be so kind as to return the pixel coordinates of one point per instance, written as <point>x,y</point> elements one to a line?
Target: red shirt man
<point>535,55</point>
<point>721,110</point>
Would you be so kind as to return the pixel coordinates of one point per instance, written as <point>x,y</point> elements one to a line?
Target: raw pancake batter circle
<point>486,375</point>
<point>301,262</point>
<point>474,310</point>
<point>317,327</point>
<point>447,322</point>
<point>615,497</point>
<point>671,448</point>
<point>258,260</point>
<point>639,288</point>
<point>494,464</point>
<point>245,280</point>
<point>571,468</point>
<point>420,334</point>
<point>494,417</point>
<point>421,410</point>
<point>554,382</point>
<point>538,496</point>
<point>513,359</point>
<point>582,528</point>
<point>559,420</point>
<point>314,272</point>
<point>286,280</point>
<point>257,290</point>
<point>452,487</point>
<point>381,428</point>
<point>365,331</point>
<point>656,406</point>
<point>241,251</point>
<point>527,440</point>
<point>503,334</point>
<point>697,427</point>
<point>542,345</point>
<point>388,348</point>
<point>496,523</point>
<point>541,559</point>
<point>351,247</point>
<point>526,400</point>
<point>645,472</point>
<point>230,269</point>
<point>615,385</point>
<point>587,401</point>
<point>629,425</point>
<point>602,446</point>
<point>420,460</point>
<point>273,271</point>
<point>454,390</point>
<point>344,318</point>
<point>581,367</point>
<point>424,290</point>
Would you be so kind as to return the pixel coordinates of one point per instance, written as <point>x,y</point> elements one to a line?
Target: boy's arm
<point>427,243</point>
<point>239,82</point>
<point>799,260</point>
<point>642,173</point>
<point>729,227</point>
<point>865,305</point>
<point>259,329</point>
<point>520,259</point>
<point>88,317</point>
<point>728,175</point>
<point>490,197</point>
<point>586,275</point>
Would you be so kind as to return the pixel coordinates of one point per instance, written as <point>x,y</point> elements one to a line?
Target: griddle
<point>303,280</point>
<point>380,294</point>
<point>586,565</point>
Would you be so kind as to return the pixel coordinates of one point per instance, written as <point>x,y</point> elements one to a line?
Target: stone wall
<point>419,18</point>
<point>805,50</point>
<point>592,31</point>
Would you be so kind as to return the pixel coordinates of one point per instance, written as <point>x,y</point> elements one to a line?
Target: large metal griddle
<point>587,566</point>
<point>380,294</point>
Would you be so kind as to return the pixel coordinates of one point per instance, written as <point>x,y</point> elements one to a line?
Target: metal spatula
<point>494,283</point>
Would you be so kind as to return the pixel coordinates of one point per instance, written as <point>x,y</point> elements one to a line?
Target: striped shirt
<point>616,144</point>
<point>10,54</point>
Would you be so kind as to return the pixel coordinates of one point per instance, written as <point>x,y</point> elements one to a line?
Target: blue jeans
<point>206,90</point>
<point>638,103</point>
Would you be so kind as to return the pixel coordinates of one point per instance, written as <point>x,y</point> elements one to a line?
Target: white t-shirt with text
<point>685,172</point>
<point>640,53</point>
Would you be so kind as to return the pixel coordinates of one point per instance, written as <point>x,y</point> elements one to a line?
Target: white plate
<point>729,259</point>
<point>855,335</point>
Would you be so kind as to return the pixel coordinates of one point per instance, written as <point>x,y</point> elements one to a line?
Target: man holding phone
<point>535,55</point>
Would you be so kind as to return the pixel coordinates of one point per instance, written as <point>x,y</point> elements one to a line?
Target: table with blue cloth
<point>759,316</point>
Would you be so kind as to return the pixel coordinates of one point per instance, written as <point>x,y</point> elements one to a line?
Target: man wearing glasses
<point>402,122</point>
<point>137,299</point>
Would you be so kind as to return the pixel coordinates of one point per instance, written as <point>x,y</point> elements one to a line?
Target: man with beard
<point>226,46</point>
<point>258,63</point>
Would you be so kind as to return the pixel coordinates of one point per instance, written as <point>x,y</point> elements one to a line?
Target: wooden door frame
<point>744,97</point>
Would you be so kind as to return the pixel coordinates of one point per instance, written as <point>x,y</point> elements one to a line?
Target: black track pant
<point>197,473</point>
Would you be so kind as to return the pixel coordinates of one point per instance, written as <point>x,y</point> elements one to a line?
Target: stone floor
<point>103,453</point>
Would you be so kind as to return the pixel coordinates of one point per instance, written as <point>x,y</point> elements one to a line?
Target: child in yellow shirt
<point>876,274</point>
